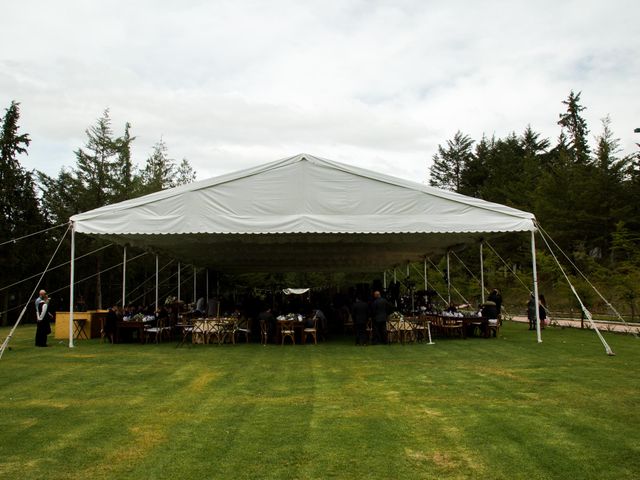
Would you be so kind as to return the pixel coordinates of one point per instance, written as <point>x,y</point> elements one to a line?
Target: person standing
<point>541,304</point>
<point>496,297</point>
<point>531,311</point>
<point>111,324</point>
<point>43,327</point>
<point>380,309</point>
<point>360,315</point>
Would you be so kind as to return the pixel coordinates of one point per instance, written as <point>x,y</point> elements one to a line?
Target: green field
<point>478,408</point>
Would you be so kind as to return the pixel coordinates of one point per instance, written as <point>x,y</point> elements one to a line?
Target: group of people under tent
<point>331,311</point>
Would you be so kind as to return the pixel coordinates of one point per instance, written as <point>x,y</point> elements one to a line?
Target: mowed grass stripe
<point>476,408</point>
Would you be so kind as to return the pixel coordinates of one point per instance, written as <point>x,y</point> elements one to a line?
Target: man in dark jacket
<point>380,309</point>
<point>360,315</point>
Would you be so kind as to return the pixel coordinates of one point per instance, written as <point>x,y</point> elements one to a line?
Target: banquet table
<point>125,330</point>
<point>297,322</point>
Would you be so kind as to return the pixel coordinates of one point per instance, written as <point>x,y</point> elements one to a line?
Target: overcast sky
<point>377,84</point>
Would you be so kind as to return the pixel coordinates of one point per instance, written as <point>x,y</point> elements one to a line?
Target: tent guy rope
<point>24,309</point>
<point>60,265</point>
<point>586,312</point>
<point>14,240</point>
<point>629,330</point>
<point>452,286</point>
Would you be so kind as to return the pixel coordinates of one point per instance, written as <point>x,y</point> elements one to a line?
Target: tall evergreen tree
<point>185,173</point>
<point>532,144</point>
<point>97,164</point>
<point>506,183</point>
<point>576,127</point>
<point>19,209</point>
<point>126,183</point>
<point>450,163</point>
<point>608,201</point>
<point>159,171</point>
<point>101,176</point>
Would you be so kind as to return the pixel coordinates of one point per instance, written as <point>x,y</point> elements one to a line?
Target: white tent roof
<point>301,213</point>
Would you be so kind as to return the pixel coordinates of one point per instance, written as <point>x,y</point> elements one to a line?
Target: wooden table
<point>93,323</point>
<point>297,326</point>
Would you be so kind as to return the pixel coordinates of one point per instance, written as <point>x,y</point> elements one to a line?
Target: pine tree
<point>576,127</point>
<point>159,171</point>
<point>449,164</point>
<point>103,174</point>
<point>475,173</point>
<point>19,208</point>
<point>532,144</point>
<point>97,164</point>
<point>607,191</point>
<point>126,180</point>
<point>185,173</point>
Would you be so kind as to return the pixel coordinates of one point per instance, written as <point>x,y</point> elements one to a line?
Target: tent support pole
<point>481,273</point>
<point>179,281</point>
<point>395,277</point>
<point>206,296</point>
<point>384,279</point>
<point>535,284</point>
<point>195,284</point>
<point>72,281</point>
<point>448,279</point>
<point>157,283</point>
<point>124,276</point>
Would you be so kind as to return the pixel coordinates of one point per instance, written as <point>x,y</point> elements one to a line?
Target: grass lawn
<point>502,409</point>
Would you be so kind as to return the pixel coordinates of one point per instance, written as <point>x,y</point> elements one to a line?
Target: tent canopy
<point>301,214</point>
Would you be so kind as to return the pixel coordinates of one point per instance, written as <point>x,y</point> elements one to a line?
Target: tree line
<point>30,201</point>
<point>584,196</point>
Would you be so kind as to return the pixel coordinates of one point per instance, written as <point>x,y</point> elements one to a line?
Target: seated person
<point>201,307</point>
<point>321,323</point>
<point>489,310</point>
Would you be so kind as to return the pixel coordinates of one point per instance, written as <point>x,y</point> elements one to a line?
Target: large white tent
<point>301,213</point>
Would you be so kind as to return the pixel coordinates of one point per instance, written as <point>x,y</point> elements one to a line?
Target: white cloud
<point>380,84</point>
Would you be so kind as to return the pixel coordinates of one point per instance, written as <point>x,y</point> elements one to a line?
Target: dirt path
<point>602,326</point>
